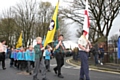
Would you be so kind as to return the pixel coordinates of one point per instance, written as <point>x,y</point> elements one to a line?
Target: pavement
<point>112,67</point>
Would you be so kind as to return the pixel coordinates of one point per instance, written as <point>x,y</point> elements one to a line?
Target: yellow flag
<point>19,43</point>
<point>52,27</point>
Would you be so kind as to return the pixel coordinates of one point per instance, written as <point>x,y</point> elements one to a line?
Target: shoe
<point>60,76</point>
<point>44,79</point>
<point>48,70</point>
<point>35,78</point>
<point>101,63</point>
<point>40,71</point>
<point>98,61</point>
<point>81,79</point>
<point>55,71</point>
<point>4,68</point>
<point>30,73</point>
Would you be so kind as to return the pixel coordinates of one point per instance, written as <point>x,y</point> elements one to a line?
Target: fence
<point>110,55</point>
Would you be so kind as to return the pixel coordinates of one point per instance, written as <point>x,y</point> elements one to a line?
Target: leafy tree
<point>25,13</point>
<point>8,28</point>
<point>102,14</point>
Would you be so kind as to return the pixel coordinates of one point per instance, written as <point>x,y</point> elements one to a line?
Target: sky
<point>5,4</point>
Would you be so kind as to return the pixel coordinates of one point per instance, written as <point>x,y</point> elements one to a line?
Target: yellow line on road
<point>68,61</point>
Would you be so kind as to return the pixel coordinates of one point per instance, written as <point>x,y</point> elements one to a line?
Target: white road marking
<point>65,66</point>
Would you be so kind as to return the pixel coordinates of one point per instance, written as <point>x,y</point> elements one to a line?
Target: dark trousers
<point>47,63</point>
<point>84,70</point>
<point>15,63</point>
<point>21,64</point>
<point>96,58</point>
<point>60,62</point>
<point>11,61</point>
<point>2,58</point>
<point>30,66</point>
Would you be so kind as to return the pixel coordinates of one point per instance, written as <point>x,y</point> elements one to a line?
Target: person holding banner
<point>59,55</point>
<point>39,61</point>
<point>83,45</point>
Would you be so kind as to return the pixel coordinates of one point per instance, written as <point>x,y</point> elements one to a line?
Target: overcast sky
<point>5,4</point>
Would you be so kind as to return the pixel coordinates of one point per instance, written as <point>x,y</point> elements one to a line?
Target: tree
<point>25,14</point>
<point>63,29</point>
<point>44,16</point>
<point>102,14</point>
<point>8,27</point>
<point>114,37</point>
<point>29,17</point>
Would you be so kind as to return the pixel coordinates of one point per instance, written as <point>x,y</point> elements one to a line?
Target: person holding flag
<point>59,55</point>
<point>83,45</point>
<point>39,61</point>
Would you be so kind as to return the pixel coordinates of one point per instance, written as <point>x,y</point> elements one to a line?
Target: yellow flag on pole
<point>52,27</point>
<point>19,43</point>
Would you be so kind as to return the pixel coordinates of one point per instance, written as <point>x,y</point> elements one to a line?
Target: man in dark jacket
<point>94,50</point>
<point>59,55</point>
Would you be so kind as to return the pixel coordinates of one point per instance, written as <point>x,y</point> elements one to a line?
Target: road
<point>69,72</point>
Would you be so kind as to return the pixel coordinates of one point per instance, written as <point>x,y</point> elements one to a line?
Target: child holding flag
<point>39,61</point>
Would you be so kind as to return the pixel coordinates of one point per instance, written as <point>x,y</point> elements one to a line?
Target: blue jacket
<point>102,52</point>
<point>30,55</point>
<point>21,56</point>
<point>12,54</point>
<point>47,55</point>
<point>118,54</point>
<point>15,55</point>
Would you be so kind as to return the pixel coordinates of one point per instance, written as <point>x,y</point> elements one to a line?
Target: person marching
<point>2,53</point>
<point>59,55</point>
<point>83,45</point>
<point>15,57</point>
<point>47,58</point>
<point>39,61</point>
<point>30,58</point>
<point>12,57</point>
<point>20,58</point>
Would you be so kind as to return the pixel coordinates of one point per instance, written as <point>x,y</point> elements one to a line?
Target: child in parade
<point>39,61</point>
<point>30,58</point>
<point>47,58</point>
<point>12,57</point>
<point>20,58</point>
<point>15,57</point>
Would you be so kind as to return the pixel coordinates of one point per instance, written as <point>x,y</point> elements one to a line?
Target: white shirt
<point>44,53</point>
<point>1,48</point>
<point>82,41</point>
